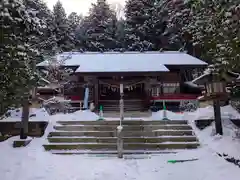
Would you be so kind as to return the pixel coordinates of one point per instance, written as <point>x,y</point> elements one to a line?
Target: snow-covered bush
<point>236,104</point>
<point>188,106</point>
<point>56,105</point>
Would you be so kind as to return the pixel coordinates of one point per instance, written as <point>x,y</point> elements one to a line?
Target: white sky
<point>78,6</point>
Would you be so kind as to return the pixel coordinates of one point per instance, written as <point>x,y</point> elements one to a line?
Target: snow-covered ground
<point>229,143</point>
<point>33,163</point>
<point>35,114</point>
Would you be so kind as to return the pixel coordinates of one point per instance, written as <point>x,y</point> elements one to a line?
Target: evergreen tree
<point>62,30</point>
<point>74,20</point>
<point>211,27</point>
<point>120,35</point>
<point>138,16</point>
<point>19,26</point>
<point>45,42</point>
<point>99,28</point>
<point>216,31</point>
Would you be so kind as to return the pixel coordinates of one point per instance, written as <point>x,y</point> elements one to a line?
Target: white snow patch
<point>85,115</point>
<point>208,113</point>
<point>119,128</point>
<point>36,114</point>
<point>45,165</point>
<point>17,138</point>
<point>229,143</point>
<point>170,115</point>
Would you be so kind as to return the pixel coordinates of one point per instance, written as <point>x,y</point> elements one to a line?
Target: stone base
<point>21,143</point>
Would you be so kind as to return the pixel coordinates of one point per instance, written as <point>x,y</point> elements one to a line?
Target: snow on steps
<point>126,146</point>
<point>126,133</point>
<point>139,136</point>
<point>125,139</point>
<point>125,127</point>
<point>126,122</point>
<point>126,152</point>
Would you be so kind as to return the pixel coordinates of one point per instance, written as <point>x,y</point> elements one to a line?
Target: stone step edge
<point>95,143</point>
<point>140,120</point>
<point>137,137</point>
<point>108,126</point>
<point>160,130</point>
<point>82,152</point>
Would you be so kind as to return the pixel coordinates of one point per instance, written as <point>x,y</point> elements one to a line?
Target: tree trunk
<point>25,118</point>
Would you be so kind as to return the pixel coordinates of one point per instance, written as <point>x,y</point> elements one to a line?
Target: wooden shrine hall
<point>148,78</point>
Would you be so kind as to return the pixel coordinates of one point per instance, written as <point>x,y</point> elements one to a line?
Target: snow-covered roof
<point>126,61</point>
<point>121,64</point>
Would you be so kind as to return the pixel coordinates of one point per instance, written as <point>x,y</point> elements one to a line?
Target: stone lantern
<point>215,90</point>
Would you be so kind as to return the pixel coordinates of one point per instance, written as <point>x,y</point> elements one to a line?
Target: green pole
<point>164,111</point>
<point>164,106</point>
<point>101,113</point>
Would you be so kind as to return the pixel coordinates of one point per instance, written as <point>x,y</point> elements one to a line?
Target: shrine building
<point>148,78</point>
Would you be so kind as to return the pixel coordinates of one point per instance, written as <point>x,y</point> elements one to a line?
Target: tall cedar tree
<point>99,28</point>
<point>74,21</point>
<point>138,14</point>
<point>62,30</point>
<point>212,27</point>
<point>19,26</point>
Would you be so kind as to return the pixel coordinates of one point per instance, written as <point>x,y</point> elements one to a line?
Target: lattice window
<point>170,88</point>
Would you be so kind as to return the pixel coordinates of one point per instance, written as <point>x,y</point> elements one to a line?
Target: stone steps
<point>109,153</point>
<point>100,137</point>
<point>126,146</point>
<point>125,127</point>
<point>125,139</point>
<point>126,109</point>
<point>126,133</point>
<point>127,115</point>
<point>129,105</point>
<point>125,122</point>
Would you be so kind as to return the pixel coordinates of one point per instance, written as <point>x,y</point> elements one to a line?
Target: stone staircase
<point>100,137</point>
<point>129,105</point>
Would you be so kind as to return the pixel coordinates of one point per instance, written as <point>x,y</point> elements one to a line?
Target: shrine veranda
<point>147,77</point>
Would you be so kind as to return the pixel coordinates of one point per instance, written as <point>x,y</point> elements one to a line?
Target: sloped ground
<point>34,163</point>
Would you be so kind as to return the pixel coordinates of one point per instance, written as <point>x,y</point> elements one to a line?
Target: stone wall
<point>36,129</point>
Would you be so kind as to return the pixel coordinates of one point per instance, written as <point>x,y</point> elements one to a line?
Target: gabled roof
<point>153,61</point>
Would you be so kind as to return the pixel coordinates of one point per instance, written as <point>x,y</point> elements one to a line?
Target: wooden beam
<point>96,92</point>
<point>110,74</point>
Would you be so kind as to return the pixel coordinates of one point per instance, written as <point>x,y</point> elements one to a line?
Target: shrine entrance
<point>110,89</point>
